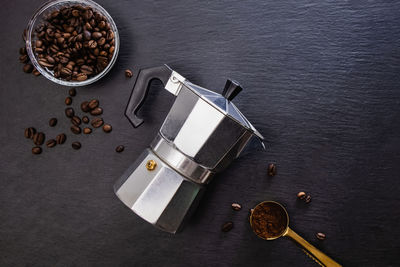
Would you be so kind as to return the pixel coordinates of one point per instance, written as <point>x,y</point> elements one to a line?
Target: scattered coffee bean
<point>68,101</point>
<point>72,92</point>
<point>76,121</point>
<point>30,132</point>
<point>76,145</point>
<point>271,169</point>
<point>226,227</point>
<point>308,199</point>
<point>87,130</point>
<point>24,59</point>
<point>36,72</point>
<point>97,122</point>
<point>94,103</point>
<point>69,112</point>
<point>320,236</point>
<point>38,138</point>
<point>236,206</point>
<point>301,195</point>
<point>75,129</point>
<point>107,128</point>
<point>74,42</point>
<point>61,138</point>
<point>85,119</point>
<point>36,150</point>
<point>22,50</point>
<point>85,106</point>
<point>51,143</point>
<point>28,68</point>
<point>96,111</point>
<point>53,122</point>
<point>119,148</point>
<point>128,73</point>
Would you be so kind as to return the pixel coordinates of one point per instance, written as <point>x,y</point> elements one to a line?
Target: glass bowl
<point>39,17</point>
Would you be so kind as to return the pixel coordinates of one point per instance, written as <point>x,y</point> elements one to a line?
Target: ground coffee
<point>269,220</point>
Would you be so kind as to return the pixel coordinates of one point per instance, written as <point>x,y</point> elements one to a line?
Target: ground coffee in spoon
<point>269,220</point>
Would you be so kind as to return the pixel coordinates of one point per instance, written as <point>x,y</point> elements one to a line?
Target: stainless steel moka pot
<point>201,135</point>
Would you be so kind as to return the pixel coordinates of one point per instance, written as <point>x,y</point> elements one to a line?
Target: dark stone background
<point>321,83</point>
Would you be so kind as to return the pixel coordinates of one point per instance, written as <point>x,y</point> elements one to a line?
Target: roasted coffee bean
<point>92,44</point>
<point>69,112</point>
<point>226,227</point>
<point>53,122</point>
<point>107,128</point>
<point>301,195</point>
<point>61,138</point>
<point>308,199</point>
<point>85,106</point>
<point>271,169</point>
<point>87,130</point>
<point>36,72</point>
<point>96,111</point>
<point>28,68</point>
<point>119,148</point>
<point>94,103</point>
<point>97,122</point>
<point>38,138</point>
<point>36,150</point>
<point>128,73</point>
<point>68,101</point>
<point>76,145</point>
<point>51,143</point>
<point>86,69</point>
<point>22,50</point>
<point>72,92</point>
<point>24,59</point>
<point>236,206</point>
<point>30,132</point>
<point>320,236</point>
<point>75,129</point>
<point>87,35</point>
<point>81,77</point>
<point>76,121</point>
<point>96,35</point>
<point>85,119</point>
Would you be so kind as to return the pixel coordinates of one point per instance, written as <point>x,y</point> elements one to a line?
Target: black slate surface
<point>321,84</point>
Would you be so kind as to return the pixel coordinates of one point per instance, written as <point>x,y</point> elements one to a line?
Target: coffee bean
<point>51,143</point>
<point>72,92</point>
<point>76,145</point>
<point>36,150</point>
<point>38,138</point>
<point>107,128</point>
<point>85,106</point>
<point>271,169</point>
<point>226,227</point>
<point>97,122</point>
<point>30,132</point>
<point>22,50</point>
<point>236,206</point>
<point>320,236</point>
<point>69,112</point>
<point>94,103</point>
<point>96,35</point>
<point>119,148</point>
<point>92,44</point>
<point>81,77</point>
<point>75,129</point>
<point>308,199</point>
<point>53,122</point>
<point>85,119</point>
<point>61,138</point>
<point>24,59</point>
<point>36,72</point>
<point>301,195</point>
<point>128,73</point>
<point>76,121</point>
<point>68,101</point>
<point>97,111</point>
<point>87,130</point>
<point>28,68</point>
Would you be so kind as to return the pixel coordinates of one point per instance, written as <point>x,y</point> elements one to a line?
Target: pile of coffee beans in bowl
<point>73,42</point>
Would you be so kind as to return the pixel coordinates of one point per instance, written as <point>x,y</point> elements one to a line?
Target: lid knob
<point>232,89</point>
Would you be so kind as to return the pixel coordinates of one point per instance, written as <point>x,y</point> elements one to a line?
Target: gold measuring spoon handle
<point>311,250</point>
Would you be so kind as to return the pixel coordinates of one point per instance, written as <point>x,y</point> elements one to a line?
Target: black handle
<point>232,88</point>
<point>141,88</point>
